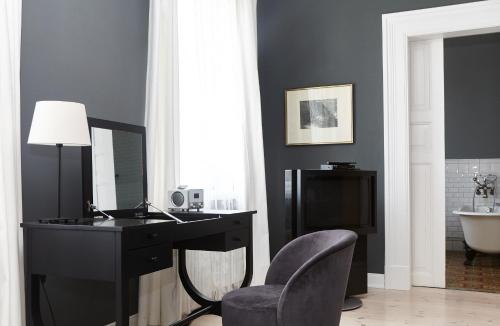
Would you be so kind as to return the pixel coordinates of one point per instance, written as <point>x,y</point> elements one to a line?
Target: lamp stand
<point>59,148</point>
<point>352,303</point>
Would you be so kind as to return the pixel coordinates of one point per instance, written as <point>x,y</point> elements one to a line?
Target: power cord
<point>44,290</point>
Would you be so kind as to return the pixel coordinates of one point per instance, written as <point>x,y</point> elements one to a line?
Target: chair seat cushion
<point>256,305</point>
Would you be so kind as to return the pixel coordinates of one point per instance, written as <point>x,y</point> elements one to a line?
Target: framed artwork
<point>319,115</point>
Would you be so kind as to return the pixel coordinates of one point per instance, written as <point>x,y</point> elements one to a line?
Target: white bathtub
<point>481,228</point>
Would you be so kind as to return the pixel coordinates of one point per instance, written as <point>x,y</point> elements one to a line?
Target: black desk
<point>121,249</point>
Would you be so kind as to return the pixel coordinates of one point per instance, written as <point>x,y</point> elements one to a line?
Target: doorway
<point>472,112</point>
<point>399,29</point>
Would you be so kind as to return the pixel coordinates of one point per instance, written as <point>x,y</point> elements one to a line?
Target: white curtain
<point>220,127</point>
<point>11,279</point>
<point>160,293</point>
<point>204,129</point>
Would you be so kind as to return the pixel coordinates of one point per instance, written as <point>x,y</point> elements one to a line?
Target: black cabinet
<point>334,199</point>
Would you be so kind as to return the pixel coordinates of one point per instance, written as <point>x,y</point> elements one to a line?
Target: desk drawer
<point>146,237</point>
<point>240,222</point>
<point>236,239</point>
<point>148,260</point>
<point>224,241</point>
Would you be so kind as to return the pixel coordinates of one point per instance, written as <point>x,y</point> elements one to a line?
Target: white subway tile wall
<point>459,192</point>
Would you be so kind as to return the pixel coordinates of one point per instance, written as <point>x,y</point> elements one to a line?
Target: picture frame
<point>319,115</point>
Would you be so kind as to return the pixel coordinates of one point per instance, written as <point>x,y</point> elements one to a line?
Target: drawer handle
<point>236,239</point>
<point>153,235</point>
<point>154,259</point>
<point>237,222</point>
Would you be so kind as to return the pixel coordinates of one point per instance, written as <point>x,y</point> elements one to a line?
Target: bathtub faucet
<point>485,185</point>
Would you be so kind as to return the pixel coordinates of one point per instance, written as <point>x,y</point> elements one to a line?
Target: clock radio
<point>185,199</point>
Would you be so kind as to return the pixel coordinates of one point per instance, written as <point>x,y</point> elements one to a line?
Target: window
<point>211,102</point>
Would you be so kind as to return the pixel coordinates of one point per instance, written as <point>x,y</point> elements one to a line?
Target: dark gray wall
<point>472,96</point>
<point>323,42</point>
<point>88,51</point>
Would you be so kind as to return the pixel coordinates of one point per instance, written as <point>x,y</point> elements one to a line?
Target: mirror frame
<point>87,178</point>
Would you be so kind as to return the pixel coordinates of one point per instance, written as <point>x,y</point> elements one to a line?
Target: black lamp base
<point>59,148</point>
<point>352,303</point>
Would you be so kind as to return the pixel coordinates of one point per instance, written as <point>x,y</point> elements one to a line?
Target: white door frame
<point>398,28</point>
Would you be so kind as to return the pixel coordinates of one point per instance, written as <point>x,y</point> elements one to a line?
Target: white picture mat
<point>343,133</point>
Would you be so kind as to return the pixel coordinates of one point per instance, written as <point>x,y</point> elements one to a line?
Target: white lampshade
<point>58,122</point>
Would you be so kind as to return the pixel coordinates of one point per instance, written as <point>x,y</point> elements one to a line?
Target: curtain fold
<point>246,13</point>
<point>11,265</point>
<point>204,129</point>
<point>160,293</point>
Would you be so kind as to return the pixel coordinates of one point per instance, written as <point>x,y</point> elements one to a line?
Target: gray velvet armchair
<point>305,285</point>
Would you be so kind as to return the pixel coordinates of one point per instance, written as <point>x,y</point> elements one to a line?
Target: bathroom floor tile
<point>483,276</point>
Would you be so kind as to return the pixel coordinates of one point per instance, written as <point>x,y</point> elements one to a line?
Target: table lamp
<point>59,124</point>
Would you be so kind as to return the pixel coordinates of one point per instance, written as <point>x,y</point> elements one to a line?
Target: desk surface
<point>96,224</point>
<point>121,224</point>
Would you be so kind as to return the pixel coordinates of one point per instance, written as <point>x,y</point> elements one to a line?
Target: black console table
<point>334,199</point>
<point>125,248</point>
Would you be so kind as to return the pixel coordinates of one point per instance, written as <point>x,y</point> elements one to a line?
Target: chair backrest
<point>315,269</point>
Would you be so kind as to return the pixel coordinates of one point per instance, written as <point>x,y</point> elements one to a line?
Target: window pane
<point>211,101</point>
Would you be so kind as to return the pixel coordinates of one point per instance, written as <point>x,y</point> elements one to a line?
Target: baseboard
<point>397,277</point>
<point>376,281</point>
<point>133,321</point>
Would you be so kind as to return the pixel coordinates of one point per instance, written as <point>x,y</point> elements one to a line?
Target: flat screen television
<point>330,199</point>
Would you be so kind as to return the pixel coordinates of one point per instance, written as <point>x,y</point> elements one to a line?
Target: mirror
<point>115,166</point>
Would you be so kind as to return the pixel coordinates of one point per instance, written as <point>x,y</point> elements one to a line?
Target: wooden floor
<point>417,307</point>
<point>483,275</point>
<point>425,307</point>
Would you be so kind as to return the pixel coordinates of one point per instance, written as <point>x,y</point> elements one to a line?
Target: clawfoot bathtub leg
<point>470,254</point>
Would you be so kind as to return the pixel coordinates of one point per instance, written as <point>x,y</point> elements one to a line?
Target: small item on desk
<point>67,221</point>
<point>70,221</point>
<point>339,166</point>
<point>184,199</point>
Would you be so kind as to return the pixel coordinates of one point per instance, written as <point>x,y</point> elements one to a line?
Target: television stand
<point>318,200</point>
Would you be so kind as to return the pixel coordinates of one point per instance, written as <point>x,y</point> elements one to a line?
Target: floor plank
<point>417,307</point>
<point>425,307</point>
<point>208,320</point>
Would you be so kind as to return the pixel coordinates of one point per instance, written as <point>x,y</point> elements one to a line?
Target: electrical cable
<point>48,302</point>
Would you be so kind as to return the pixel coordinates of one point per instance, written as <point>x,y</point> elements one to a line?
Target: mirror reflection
<point>117,169</point>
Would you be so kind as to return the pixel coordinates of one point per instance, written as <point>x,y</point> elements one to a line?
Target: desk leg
<point>193,292</point>
<point>31,286</point>
<point>32,300</point>
<point>122,291</point>
<point>249,258</point>
<point>208,305</point>
<point>122,302</point>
